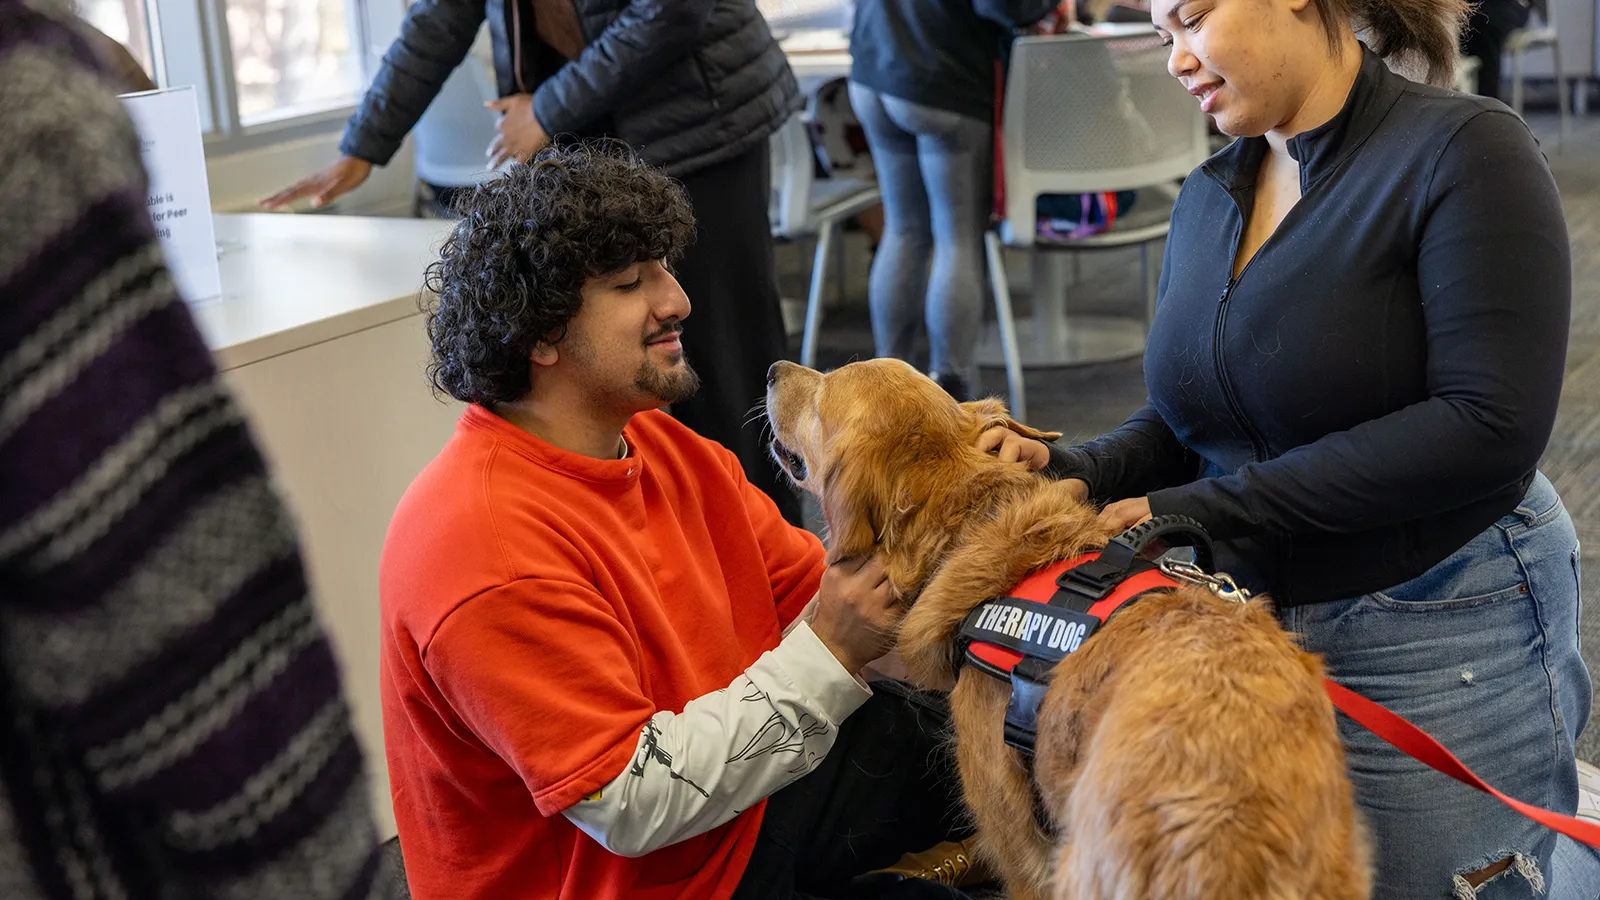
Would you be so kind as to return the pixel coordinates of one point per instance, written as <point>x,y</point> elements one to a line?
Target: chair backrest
<point>1085,114</point>
<point>792,174</point>
<point>454,133</point>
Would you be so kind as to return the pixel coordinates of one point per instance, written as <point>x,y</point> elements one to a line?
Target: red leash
<point>1416,743</point>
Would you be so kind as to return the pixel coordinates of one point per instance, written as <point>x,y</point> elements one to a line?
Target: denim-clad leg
<point>934,169</point>
<point>898,282</point>
<point>1481,651</point>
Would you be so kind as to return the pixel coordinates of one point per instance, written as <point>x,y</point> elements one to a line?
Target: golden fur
<point>1187,751</point>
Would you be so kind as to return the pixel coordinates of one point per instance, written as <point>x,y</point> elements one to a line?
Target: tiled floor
<point>1086,401</point>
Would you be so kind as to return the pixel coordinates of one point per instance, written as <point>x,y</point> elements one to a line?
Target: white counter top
<point>290,281</point>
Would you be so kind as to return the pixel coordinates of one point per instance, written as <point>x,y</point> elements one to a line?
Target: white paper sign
<point>170,144</point>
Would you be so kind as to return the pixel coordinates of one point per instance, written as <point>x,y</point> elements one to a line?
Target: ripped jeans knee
<point>1513,876</point>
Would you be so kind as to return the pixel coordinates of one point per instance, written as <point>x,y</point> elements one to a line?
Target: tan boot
<point>951,862</point>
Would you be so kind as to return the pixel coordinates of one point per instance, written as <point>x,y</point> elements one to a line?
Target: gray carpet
<point>1087,401</point>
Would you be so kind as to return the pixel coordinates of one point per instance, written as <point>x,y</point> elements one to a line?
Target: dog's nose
<point>774,369</point>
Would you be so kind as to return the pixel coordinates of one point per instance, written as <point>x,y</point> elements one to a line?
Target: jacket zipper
<point>705,80</point>
<point>1258,446</point>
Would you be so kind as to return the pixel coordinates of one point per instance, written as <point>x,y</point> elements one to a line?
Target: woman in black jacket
<point>1353,371</point>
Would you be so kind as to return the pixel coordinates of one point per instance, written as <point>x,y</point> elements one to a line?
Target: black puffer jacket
<point>689,83</point>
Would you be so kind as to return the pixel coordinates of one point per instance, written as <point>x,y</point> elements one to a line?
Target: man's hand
<point>856,612</point>
<point>1009,446</point>
<point>520,135</point>
<point>340,178</point>
<point>1124,514</point>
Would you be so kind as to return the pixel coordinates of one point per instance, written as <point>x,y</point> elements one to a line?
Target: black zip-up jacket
<point>1378,384</point>
<point>688,83</point>
<point>938,53</point>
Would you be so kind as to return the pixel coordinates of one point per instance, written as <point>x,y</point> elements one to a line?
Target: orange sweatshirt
<point>538,608</point>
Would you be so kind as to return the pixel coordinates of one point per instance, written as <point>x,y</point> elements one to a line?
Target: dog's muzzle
<point>793,463</point>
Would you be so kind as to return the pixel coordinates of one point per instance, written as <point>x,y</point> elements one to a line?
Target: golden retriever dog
<point>1186,751</point>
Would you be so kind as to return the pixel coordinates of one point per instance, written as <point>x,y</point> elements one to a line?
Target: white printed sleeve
<point>727,750</point>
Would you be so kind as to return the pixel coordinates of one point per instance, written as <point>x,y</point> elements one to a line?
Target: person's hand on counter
<point>340,178</point>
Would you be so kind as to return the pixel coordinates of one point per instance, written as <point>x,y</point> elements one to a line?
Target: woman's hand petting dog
<point>1009,446</point>
<point>857,614</point>
<point>1124,514</point>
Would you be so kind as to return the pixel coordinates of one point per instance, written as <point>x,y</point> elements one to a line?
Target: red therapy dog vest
<point>1020,637</point>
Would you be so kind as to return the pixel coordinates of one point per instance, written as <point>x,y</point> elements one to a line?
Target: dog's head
<point>891,458</point>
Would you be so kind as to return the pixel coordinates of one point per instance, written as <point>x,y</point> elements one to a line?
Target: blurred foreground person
<point>171,723</point>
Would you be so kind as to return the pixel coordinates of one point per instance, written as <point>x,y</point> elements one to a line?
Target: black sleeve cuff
<point>1067,462</point>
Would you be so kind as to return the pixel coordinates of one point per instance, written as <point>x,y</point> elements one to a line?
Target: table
<point>319,335</point>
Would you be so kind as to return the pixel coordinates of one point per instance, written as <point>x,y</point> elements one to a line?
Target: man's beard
<point>670,386</point>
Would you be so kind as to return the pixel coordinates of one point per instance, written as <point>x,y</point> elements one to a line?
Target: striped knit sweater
<point>171,724</point>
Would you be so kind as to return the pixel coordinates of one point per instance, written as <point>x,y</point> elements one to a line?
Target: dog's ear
<point>852,507</point>
<point>991,412</point>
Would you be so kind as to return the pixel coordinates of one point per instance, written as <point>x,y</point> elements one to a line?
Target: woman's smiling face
<point>1248,63</point>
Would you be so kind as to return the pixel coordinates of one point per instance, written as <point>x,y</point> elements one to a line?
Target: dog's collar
<point>1021,637</point>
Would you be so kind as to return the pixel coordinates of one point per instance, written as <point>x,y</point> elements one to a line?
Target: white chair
<point>453,135</point>
<point>1085,114</point>
<point>803,205</point>
<point>1534,37</point>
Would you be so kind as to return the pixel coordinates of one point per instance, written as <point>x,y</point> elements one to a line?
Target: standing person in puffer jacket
<point>696,86</point>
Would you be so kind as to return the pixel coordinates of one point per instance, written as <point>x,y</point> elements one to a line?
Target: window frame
<point>190,44</point>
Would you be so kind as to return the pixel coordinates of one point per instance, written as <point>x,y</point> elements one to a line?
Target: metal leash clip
<point>1220,584</point>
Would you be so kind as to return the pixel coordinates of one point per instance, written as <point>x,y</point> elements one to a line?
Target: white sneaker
<point>1588,792</point>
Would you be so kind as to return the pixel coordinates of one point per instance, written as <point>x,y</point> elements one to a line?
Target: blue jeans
<point>1481,651</point>
<point>935,173</point>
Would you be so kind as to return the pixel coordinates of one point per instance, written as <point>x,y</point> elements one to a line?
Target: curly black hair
<point>508,277</point>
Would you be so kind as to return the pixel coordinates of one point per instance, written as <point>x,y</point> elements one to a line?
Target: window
<point>124,22</point>
<point>291,57</point>
<point>257,65</point>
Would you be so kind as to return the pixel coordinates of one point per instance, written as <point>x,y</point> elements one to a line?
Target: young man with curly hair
<point>697,86</point>
<point>603,672</point>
